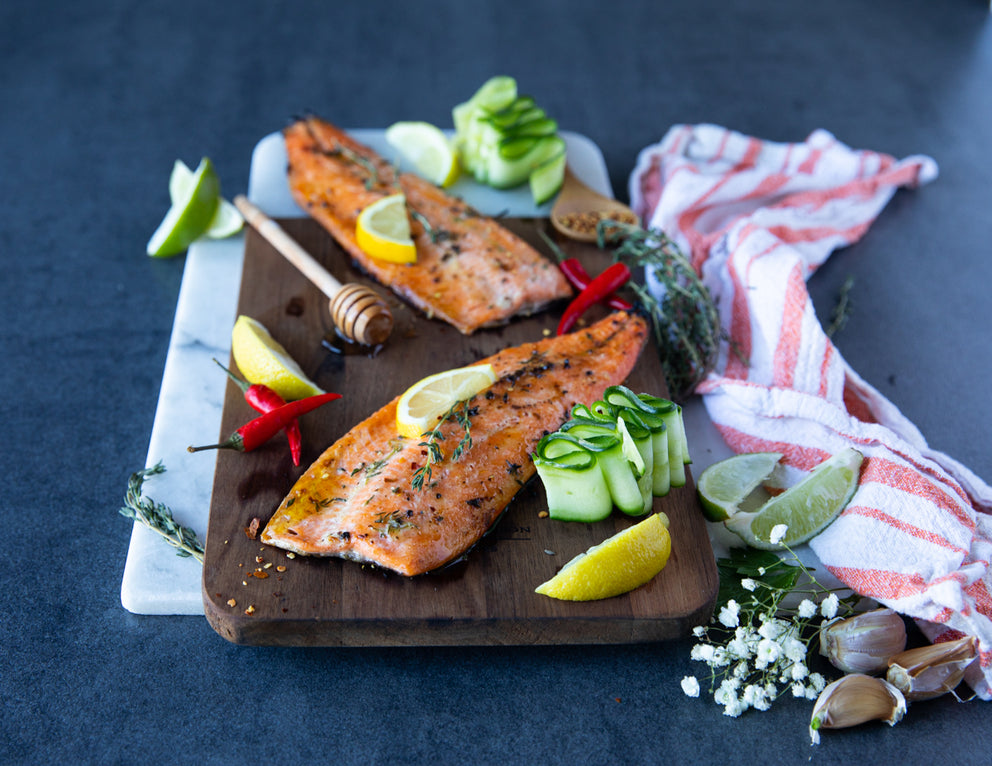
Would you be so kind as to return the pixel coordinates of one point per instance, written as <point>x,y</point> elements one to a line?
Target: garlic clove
<point>853,700</point>
<point>930,671</point>
<point>865,642</point>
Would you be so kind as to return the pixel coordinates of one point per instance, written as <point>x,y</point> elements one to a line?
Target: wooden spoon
<point>578,209</point>
<point>358,312</point>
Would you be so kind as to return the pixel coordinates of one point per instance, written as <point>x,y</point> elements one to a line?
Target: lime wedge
<point>725,485</point>
<point>226,222</point>
<point>190,215</point>
<point>426,148</point>
<point>806,509</point>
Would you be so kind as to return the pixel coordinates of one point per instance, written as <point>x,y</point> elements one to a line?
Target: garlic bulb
<point>930,671</point>
<point>865,642</point>
<point>853,700</point>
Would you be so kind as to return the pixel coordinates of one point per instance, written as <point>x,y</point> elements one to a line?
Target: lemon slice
<point>383,230</point>
<point>263,360</point>
<point>426,148</point>
<point>190,214</point>
<point>617,565</point>
<point>226,221</point>
<point>427,400</point>
<point>806,509</point>
<point>724,486</point>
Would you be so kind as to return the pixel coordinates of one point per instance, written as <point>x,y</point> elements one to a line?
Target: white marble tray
<point>156,580</point>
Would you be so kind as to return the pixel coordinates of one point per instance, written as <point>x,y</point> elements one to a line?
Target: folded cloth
<point>756,219</point>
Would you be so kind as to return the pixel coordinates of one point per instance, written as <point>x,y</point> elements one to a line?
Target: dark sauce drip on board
<point>338,344</point>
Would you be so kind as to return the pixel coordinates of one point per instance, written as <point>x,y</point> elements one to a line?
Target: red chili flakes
<point>250,610</point>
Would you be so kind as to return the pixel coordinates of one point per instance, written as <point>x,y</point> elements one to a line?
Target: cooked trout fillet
<point>470,271</point>
<point>358,501</point>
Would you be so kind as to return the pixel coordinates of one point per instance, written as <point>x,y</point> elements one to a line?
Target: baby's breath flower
<point>828,608</point>
<point>756,645</point>
<point>690,686</point>
<point>768,653</point>
<point>729,614</point>
<point>778,532</point>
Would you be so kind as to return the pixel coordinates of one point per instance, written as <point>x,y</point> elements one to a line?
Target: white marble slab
<point>156,580</point>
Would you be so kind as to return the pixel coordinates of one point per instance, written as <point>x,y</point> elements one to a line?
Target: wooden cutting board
<point>256,594</point>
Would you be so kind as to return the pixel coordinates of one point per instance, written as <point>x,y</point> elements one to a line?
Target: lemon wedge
<point>263,360</point>
<point>427,400</point>
<point>426,148</point>
<point>617,565</point>
<point>226,222</point>
<point>383,230</point>
<point>190,214</point>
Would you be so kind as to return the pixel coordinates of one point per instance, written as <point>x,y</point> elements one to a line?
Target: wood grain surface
<point>256,594</point>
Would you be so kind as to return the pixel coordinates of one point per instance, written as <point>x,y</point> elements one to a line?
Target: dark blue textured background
<point>98,99</point>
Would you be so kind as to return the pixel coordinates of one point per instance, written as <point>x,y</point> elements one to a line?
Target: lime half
<point>805,509</point>
<point>725,485</point>
<point>190,215</point>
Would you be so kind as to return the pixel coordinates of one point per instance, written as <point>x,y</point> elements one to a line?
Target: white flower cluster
<point>756,650</point>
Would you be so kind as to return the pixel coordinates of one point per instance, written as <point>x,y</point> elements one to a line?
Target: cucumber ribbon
<point>623,450</point>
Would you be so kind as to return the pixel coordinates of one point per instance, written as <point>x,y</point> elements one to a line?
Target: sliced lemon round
<point>724,486</point>
<point>190,214</point>
<point>617,565</point>
<point>263,360</point>
<point>383,230</point>
<point>427,149</point>
<point>806,509</point>
<point>226,222</point>
<point>426,401</point>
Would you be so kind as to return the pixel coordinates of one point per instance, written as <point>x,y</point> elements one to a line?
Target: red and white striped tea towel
<point>757,219</point>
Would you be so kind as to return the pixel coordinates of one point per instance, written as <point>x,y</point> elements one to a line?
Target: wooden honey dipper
<point>359,313</point>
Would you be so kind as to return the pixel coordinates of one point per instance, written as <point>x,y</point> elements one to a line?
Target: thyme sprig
<point>158,517</point>
<point>459,411</point>
<point>684,318</point>
<point>372,178</point>
<point>433,234</point>
<point>842,309</point>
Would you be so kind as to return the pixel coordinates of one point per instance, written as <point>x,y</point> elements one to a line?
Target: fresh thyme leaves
<point>435,235</point>
<point>392,522</point>
<point>461,412</point>
<point>375,468</point>
<point>842,310</point>
<point>684,317</point>
<point>158,517</point>
<point>372,178</point>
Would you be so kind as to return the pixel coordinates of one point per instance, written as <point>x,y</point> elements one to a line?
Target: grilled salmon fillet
<point>470,271</point>
<point>357,501</point>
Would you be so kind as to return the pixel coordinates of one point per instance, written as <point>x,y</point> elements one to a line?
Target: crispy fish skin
<point>357,500</point>
<point>470,272</point>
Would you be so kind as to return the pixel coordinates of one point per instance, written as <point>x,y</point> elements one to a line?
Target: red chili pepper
<point>258,431</point>
<point>610,279</point>
<point>263,399</point>
<point>579,278</point>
